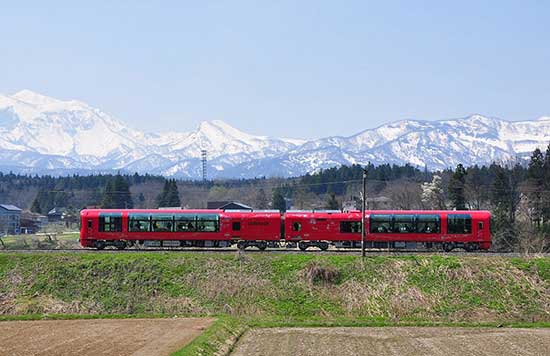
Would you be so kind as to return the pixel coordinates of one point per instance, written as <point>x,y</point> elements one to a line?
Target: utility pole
<point>364,205</point>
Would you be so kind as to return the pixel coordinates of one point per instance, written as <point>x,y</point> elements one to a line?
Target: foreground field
<point>247,291</point>
<point>137,337</point>
<point>394,341</point>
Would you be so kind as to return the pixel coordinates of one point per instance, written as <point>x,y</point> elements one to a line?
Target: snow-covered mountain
<point>39,134</point>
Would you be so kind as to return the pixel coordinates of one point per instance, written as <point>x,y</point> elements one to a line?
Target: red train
<point>392,229</point>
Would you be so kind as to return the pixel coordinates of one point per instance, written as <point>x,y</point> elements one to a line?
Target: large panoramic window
<point>208,222</point>
<point>139,223</point>
<point>380,223</point>
<point>162,223</point>
<point>185,223</point>
<point>403,224</point>
<point>110,222</point>
<point>459,224</point>
<point>427,224</point>
<point>350,226</point>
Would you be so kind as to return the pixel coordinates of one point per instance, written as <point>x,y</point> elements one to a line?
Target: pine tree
<point>172,197</point>
<point>35,207</point>
<point>332,203</point>
<point>545,196</point>
<point>161,198</point>
<point>279,201</point>
<point>117,194</point>
<point>456,188</point>
<point>108,200</point>
<point>169,197</point>
<point>535,185</point>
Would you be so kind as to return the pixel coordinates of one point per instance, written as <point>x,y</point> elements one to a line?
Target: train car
<point>177,228</point>
<point>259,229</point>
<point>448,230</point>
<point>322,228</point>
<point>392,229</point>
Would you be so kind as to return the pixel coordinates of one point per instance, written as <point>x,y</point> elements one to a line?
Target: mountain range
<point>44,135</point>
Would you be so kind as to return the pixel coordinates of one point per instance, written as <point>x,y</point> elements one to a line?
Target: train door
<point>89,226</point>
<point>479,226</point>
<point>236,228</point>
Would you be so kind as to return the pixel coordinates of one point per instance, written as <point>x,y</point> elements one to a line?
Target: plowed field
<point>395,341</point>
<point>137,337</point>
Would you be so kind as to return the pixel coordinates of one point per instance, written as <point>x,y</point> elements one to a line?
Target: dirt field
<point>137,337</point>
<point>394,341</point>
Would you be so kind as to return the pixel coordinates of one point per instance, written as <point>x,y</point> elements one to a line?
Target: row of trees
<point>518,195</point>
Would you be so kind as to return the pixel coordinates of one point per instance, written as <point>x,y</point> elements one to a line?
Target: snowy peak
<point>40,134</point>
<point>218,130</point>
<point>32,98</point>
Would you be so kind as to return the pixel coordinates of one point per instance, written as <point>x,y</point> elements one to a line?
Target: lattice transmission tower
<point>203,160</point>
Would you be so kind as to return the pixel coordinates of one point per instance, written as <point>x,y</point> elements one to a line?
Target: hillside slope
<point>281,287</point>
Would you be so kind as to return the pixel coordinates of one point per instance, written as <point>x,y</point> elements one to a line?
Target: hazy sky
<point>303,69</point>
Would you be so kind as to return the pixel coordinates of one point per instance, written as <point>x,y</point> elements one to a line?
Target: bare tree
<point>404,194</point>
<point>432,194</point>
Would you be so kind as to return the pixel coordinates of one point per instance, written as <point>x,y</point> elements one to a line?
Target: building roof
<point>26,214</point>
<point>9,207</point>
<point>230,205</point>
<point>56,211</point>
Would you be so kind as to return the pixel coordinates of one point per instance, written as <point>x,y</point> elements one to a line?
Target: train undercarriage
<point>303,245</point>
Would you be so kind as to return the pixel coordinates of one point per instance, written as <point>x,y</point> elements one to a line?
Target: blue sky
<point>303,69</point>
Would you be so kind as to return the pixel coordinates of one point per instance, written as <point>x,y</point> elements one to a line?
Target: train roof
<point>318,213</point>
<point>475,213</point>
<point>151,211</point>
<point>233,213</point>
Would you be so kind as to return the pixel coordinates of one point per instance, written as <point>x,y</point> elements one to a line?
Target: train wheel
<point>241,245</point>
<point>323,246</point>
<point>262,245</point>
<point>471,247</point>
<point>100,245</point>
<point>302,246</point>
<point>120,245</point>
<point>448,247</point>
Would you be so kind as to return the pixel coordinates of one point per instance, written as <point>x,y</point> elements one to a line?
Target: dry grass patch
<point>316,273</point>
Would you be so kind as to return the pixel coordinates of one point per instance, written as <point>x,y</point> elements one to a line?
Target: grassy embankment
<point>268,289</point>
<point>42,241</point>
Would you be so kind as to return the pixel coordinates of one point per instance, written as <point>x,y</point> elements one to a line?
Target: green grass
<point>219,338</point>
<point>40,241</point>
<point>277,290</point>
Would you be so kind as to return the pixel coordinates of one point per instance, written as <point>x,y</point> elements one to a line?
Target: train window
<point>296,226</point>
<point>350,226</point>
<point>185,222</point>
<point>427,224</point>
<point>380,223</point>
<point>208,222</point>
<point>89,224</point>
<point>480,226</point>
<point>237,226</point>
<point>403,223</point>
<point>110,222</point>
<point>162,223</point>
<point>139,223</point>
<point>459,224</point>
